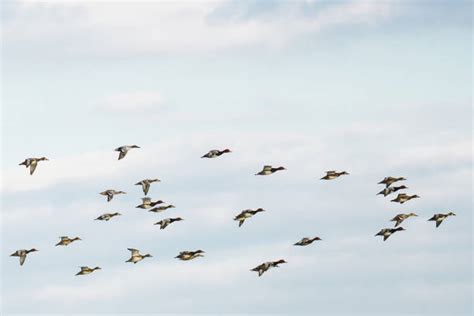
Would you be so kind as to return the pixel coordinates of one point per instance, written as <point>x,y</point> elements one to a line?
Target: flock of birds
<point>157,206</point>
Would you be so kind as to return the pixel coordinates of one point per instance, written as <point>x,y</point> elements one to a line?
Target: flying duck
<point>87,270</point>
<point>161,208</point>
<point>66,240</point>
<point>110,194</point>
<point>107,216</point>
<point>439,218</point>
<point>189,255</point>
<point>387,232</point>
<point>402,198</point>
<point>388,190</point>
<point>331,175</point>
<point>22,254</point>
<point>123,150</point>
<point>136,256</point>
<point>32,163</point>
<point>216,153</point>
<point>165,222</point>
<point>306,241</point>
<point>269,170</point>
<point>247,214</point>
<point>389,180</point>
<point>401,217</point>
<point>148,203</point>
<point>261,269</point>
<point>146,184</point>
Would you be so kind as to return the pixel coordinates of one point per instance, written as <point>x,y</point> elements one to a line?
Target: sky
<point>375,88</point>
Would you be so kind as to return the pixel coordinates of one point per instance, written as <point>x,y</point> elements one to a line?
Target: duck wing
<point>22,259</point>
<point>135,252</point>
<point>33,165</point>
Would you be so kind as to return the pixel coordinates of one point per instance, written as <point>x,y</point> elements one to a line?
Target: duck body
<point>110,194</point>
<point>148,203</point>
<point>66,240</point>
<point>267,170</point>
<point>32,163</point>
<point>247,214</point>
<point>107,216</point>
<point>388,181</point>
<point>87,270</point>
<point>146,184</point>
<point>439,218</point>
<point>161,208</point>
<point>389,190</point>
<point>401,217</point>
<point>332,174</point>
<point>136,256</point>
<point>123,150</point>
<point>387,232</point>
<point>216,153</point>
<point>189,255</point>
<point>22,253</point>
<point>402,198</point>
<point>165,222</point>
<point>264,267</point>
<point>306,241</point>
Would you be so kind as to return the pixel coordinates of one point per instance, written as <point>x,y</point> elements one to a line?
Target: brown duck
<point>264,267</point>
<point>402,198</point>
<point>66,240</point>
<point>401,217</point>
<point>110,194</point>
<point>32,163</point>
<point>439,218</point>
<point>332,174</point>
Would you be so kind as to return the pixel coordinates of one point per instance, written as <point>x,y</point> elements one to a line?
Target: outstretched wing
<point>146,187</point>
<point>121,154</point>
<point>33,165</point>
<point>134,252</point>
<point>22,259</point>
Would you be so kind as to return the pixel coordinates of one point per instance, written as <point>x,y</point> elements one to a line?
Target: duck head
<point>116,213</point>
<point>400,229</point>
<point>134,146</point>
<point>414,196</point>
<point>179,219</point>
<point>43,158</point>
<point>412,214</point>
<point>344,172</point>
<point>147,256</point>
<point>76,238</point>
<point>32,250</point>
<point>280,168</point>
<point>97,268</point>
<point>451,214</point>
<point>317,238</point>
<point>280,261</point>
<point>227,150</point>
<point>401,178</point>
<point>260,210</point>
<point>199,251</point>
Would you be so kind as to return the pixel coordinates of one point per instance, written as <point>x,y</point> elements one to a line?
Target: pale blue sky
<point>375,88</point>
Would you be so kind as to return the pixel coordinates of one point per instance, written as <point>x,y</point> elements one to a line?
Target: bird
<point>439,218</point>
<point>161,208</point>
<point>66,240</point>
<point>388,190</point>
<point>402,198</point>
<point>389,180</point>
<point>123,150</point>
<point>216,153</point>
<point>189,255</point>
<point>22,254</point>
<point>136,256</point>
<point>32,163</point>
<point>165,222</point>
<point>387,232</point>
<point>87,270</point>
<point>110,194</point>
<point>107,216</point>
<point>247,214</point>
<point>262,268</point>
<point>146,184</point>
<point>306,241</point>
<point>148,203</point>
<point>267,170</point>
<point>401,217</point>
<point>331,175</point>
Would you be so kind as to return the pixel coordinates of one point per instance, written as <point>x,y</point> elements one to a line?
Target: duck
<point>123,150</point>
<point>107,216</point>
<point>161,208</point>
<point>136,256</point>
<point>332,174</point>
<point>389,180</point>
<point>148,203</point>
<point>216,153</point>
<point>402,198</point>
<point>189,255</point>
<point>87,270</point>
<point>146,184</point>
<point>110,194</point>
<point>22,253</point>
<point>439,218</point>
<point>401,217</point>
<point>165,222</point>
<point>267,170</point>
<point>389,190</point>
<point>32,163</point>
<point>387,232</point>
<point>247,214</point>
<point>306,241</point>
<point>65,240</point>
<point>264,267</point>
